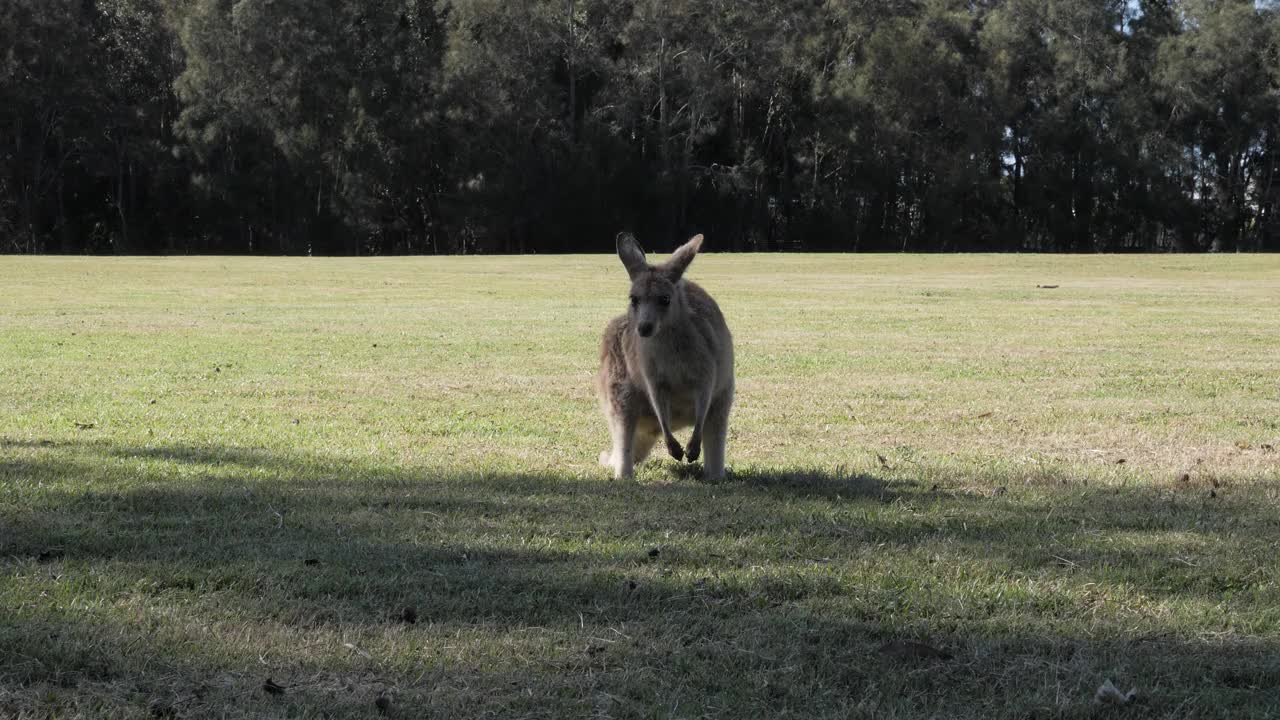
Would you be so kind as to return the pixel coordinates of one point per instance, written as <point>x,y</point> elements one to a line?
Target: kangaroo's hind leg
<point>715,436</point>
<point>620,458</point>
<point>646,436</point>
<point>623,414</point>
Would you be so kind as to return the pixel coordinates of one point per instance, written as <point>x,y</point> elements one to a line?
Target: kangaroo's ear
<point>631,254</point>
<point>680,259</point>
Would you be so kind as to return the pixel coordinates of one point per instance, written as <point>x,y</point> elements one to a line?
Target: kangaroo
<point>665,365</point>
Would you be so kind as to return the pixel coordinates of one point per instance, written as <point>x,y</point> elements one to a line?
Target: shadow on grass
<point>768,593</point>
<point>802,482</point>
<point>197,455</point>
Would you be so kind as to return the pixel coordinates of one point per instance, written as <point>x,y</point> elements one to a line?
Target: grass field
<point>373,482</point>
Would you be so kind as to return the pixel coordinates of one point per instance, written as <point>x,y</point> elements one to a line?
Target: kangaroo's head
<point>657,291</point>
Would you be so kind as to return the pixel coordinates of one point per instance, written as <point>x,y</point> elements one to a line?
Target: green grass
<point>218,471</point>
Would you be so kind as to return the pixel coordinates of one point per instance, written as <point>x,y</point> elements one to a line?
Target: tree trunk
<point>664,138</point>
<point>121,211</point>
<point>570,61</point>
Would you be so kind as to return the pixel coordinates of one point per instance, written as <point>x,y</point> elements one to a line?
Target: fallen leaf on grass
<point>85,425</point>
<point>1047,287</point>
<point>357,650</point>
<point>911,650</point>
<point>1109,694</point>
<point>883,463</point>
<point>986,414</point>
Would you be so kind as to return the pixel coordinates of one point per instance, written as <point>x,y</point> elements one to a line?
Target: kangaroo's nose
<point>646,329</point>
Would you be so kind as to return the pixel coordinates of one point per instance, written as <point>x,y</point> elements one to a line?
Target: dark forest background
<point>461,126</point>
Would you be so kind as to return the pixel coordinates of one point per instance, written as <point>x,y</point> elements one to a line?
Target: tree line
<point>470,126</point>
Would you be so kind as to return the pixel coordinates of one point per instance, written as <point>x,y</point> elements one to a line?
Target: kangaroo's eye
<point>664,301</point>
<point>634,301</point>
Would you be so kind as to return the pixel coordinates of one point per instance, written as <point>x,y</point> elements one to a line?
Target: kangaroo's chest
<point>678,380</point>
<point>677,373</point>
<point>681,400</point>
<point>683,410</point>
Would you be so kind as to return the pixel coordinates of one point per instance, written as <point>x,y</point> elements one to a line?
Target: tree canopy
<point>461,126</point>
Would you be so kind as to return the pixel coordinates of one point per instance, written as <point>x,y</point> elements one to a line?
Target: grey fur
<point>665,367</point>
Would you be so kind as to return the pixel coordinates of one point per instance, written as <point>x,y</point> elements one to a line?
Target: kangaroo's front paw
<point>695,449</point>
<point>673,447</point>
